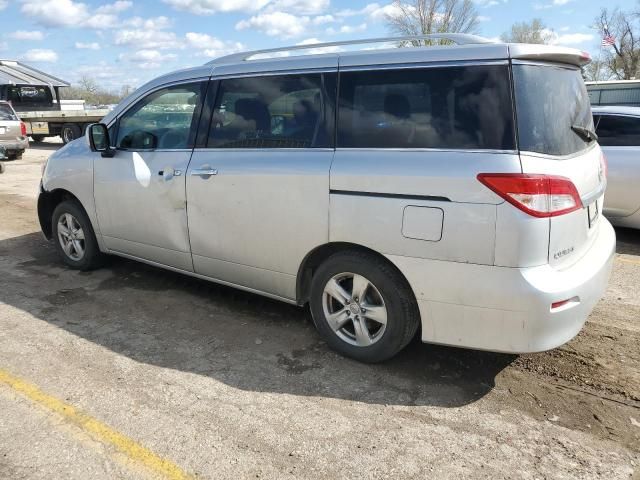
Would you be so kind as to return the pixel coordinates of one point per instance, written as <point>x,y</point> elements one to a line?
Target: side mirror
<point>99,140</point>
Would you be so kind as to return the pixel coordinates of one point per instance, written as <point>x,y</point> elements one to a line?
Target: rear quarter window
<point>442,108</point>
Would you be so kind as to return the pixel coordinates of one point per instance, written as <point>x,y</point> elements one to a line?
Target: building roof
<point>16,73</point>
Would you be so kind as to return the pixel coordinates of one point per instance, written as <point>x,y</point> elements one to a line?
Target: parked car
<point>618,130</point>
<point>13,132</point>
<point>408,200</point>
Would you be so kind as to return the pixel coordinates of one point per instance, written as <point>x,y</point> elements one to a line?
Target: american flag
<point>608,40</point>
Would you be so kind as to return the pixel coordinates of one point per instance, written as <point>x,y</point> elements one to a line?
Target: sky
<point>128,42</point>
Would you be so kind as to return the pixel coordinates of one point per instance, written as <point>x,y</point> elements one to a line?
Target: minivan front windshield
<point>553,109</point>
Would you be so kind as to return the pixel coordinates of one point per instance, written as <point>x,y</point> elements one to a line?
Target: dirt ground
<point>224,384</point>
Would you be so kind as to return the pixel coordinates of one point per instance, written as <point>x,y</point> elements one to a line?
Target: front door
<point>140,192</point>
<point>258,194</point>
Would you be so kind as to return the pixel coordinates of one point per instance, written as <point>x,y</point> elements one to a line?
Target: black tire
<point>403,317</point>
<point>15,155</point>
<point>38,138</point>
<point>69,132</point>
<point>92,257</point>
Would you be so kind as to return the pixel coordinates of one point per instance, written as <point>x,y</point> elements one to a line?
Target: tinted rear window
<point>549,100</point>
<point>29,95</point>
<point>6,113</point>
<point>446,108</point>
<point>618,131</point>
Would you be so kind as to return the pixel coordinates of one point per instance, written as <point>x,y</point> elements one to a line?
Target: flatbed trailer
<point>69,125</point>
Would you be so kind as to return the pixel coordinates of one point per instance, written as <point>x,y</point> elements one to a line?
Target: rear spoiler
<point>549,53</point>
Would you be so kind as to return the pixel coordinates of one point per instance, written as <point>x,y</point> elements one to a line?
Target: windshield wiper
<point>585,133</point>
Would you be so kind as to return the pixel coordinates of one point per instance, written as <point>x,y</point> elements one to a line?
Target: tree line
<point>93,94</point>
<point>620,61</point>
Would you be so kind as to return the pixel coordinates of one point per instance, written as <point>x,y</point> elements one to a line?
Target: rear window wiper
<point>585,133</point>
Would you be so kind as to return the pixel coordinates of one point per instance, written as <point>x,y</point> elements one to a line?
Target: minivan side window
<point>164,119</point>
<point>618,131</point>
<point>467,107</point>
<point>280,111</point>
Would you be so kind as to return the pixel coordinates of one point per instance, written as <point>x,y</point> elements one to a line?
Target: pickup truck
<point>35,96</point>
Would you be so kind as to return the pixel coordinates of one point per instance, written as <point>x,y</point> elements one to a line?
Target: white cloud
<point>347,29</point>
<point>116,7</point>
<point>322,19</point>
<point>554,3</point>
<point>276,24</point>
<point>88,46</point>
<point>209,7</point>
<point>315,51</point>
<point>26,35</point>
<point>71,14</point>
<point>301,7</point>
<point>3,4</point>
<point>148,58</point>
<point>571,38</point>
<point>211,47</point>
<point>489,3</point>
<point>56,13</point>
<point>146,39</point>
<point>40,55</point>
<point>374,11</point>
<point>152,23</point>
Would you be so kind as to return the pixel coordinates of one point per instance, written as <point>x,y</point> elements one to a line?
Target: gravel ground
<point>225,384</point>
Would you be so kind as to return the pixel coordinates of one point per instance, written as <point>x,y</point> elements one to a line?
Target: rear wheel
<point>69,132</point>
<point>15,155</point>
<point>74,237</point>
<point>363,307</point>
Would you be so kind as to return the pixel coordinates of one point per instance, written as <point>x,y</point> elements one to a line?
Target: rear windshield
<point>29,95</point>
<point>549,101</point>
<point>6,113</point>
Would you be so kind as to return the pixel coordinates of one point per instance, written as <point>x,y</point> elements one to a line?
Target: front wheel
<point>363,307</point>
<point>74,237</point>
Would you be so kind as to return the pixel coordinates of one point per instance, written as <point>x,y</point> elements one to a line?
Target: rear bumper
<point>508,309</point>
<point>15,145</point>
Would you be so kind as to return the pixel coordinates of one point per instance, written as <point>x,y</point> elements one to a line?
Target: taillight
<point>23,129</point>
<point>538,195</point>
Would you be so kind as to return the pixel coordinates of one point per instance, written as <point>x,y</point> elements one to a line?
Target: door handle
<point>204,172</point>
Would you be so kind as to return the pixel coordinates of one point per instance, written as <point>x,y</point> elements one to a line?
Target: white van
<point>453,190</point>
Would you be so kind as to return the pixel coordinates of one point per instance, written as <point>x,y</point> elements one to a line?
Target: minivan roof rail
<point>457,38</point>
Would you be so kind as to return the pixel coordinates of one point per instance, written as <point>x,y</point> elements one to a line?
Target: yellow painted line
<point>626,260</point>
<point>96,429</point>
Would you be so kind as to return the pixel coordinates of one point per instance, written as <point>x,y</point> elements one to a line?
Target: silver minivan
<point>453,190</point>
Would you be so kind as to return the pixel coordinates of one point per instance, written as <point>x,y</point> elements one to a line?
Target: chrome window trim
<point>347,149</point>
<point>279,149</point>
<point>579,153</point>
<point>418,65</point>
<point>428,150</point>
<point>274,73</point>
<point>545,63</point>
